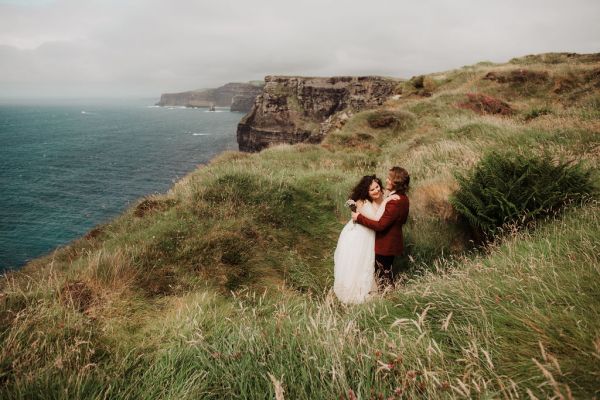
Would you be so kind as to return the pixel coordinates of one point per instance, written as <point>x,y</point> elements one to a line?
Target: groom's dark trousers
<point>389,241</point>
<point>384,273</point>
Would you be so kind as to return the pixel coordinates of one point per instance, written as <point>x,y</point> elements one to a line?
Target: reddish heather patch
<point>484,104</point>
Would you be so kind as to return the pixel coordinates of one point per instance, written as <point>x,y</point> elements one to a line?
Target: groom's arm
<point>394,210</point>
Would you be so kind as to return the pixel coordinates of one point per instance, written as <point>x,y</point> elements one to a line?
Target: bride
<point>354,258</point>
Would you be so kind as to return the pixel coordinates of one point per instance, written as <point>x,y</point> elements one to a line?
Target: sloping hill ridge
<point>237,96</point>
<point>220,288</point>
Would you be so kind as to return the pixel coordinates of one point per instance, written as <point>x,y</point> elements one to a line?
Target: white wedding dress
<point>354,259</point>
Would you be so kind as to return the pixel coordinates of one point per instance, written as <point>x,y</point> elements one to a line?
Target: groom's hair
<point>400,179</point>
<point>361,190</point>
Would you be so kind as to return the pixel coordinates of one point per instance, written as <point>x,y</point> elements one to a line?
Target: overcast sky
<point>114,48</point>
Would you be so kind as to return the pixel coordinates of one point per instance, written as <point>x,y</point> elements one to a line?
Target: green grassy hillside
<point>220,288</point>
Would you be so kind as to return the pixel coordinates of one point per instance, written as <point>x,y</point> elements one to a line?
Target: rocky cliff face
<point>244,102</point>
<point>238,96</point>
<point>298,109</point>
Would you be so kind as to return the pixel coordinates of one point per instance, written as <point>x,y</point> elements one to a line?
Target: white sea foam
<point>197,133</point>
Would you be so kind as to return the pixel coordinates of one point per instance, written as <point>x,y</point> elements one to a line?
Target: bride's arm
<point>359,205</point>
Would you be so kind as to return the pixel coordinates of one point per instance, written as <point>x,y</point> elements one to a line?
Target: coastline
<point>229,273</point>
<point>86,168</point>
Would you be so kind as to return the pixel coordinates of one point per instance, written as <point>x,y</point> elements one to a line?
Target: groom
<point>388,238</point>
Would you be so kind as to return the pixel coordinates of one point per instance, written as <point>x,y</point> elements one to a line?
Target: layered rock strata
<point>244,102</point>
<point>238,96</point>
<point>298,109</point>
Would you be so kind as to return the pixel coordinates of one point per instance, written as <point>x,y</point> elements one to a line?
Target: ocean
<point>67,166</point>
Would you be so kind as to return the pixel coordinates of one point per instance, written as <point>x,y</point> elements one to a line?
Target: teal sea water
<point>66,166</point>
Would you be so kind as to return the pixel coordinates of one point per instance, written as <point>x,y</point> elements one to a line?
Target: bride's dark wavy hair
<point>361,190</point>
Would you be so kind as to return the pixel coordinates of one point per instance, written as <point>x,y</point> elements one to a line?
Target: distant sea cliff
<point>238,96</point>
<point>290,109</point>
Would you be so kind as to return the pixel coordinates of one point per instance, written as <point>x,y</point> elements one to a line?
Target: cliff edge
<point>295,109</point>
<point>238,96</point>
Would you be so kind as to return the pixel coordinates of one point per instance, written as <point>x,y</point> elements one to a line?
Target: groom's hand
<point>354,216</point>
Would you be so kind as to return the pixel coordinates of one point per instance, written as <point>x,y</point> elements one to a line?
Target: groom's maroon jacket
<point>388,236</point>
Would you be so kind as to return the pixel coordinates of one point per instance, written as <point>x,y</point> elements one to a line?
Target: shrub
<point>513,189</point>
<point>429,85</point>
<point>418,81</point>
<point>423,85</point>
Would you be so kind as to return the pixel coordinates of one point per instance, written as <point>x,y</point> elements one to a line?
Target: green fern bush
<point>509,188</point>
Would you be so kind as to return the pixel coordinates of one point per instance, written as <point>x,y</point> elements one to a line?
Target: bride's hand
<point>393,197</point>
<point>354,216</point>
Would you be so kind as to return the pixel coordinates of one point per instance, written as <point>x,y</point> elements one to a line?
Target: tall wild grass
<point>220,288</point>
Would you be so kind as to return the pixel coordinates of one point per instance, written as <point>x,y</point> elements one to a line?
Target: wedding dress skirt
<point>354,260</point>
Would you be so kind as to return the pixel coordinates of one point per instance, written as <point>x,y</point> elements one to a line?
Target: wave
<point>197,133</point>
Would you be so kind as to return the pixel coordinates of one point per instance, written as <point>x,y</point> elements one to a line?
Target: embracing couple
<point>369,242</point>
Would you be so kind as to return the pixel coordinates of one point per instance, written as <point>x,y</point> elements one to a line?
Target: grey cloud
<point>102,47</point>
